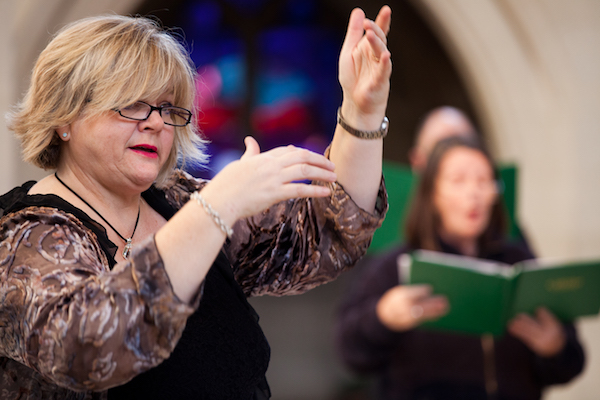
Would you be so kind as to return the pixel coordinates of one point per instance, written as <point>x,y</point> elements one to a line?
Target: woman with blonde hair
<point>119,261</point>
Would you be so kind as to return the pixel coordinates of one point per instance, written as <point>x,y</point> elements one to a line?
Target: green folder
<point>401,184</point>
<point>484,295</point>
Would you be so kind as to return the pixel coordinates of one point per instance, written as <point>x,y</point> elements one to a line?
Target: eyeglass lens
<point>171,115</point>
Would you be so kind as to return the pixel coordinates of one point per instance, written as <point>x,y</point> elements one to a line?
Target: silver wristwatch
<point>378,134</point>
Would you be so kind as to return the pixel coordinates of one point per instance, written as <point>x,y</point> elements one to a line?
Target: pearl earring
<point>64,135</point>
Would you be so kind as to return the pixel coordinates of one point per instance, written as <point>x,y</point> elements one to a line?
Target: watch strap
<point>378,134</point>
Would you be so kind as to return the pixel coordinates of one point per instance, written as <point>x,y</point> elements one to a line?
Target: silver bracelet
<point>213,214</point>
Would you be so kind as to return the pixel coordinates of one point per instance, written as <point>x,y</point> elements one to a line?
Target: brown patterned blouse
<point>73,324</point>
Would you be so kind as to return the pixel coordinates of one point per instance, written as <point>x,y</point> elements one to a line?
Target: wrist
<point>363,134</point>
<point>220,212</point>
<point>214,215</point>
<point>362,120</point>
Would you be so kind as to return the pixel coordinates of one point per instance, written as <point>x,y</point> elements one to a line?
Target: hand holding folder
<point>484,295</point>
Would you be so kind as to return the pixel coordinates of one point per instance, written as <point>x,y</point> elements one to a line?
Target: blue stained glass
<point>233,72</point>
<point>274,87</point>
<point>295,92</point>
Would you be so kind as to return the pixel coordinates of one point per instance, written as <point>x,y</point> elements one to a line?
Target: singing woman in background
<point>456,210</point>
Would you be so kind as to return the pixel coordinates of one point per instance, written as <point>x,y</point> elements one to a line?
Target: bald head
<point>440,123</point>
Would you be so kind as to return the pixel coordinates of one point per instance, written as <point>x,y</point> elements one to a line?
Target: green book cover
<point>568,289</point>
<point>484,295</point>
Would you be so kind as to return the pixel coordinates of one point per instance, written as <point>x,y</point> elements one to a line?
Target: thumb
<point>545,317</point>
<point>252,147</point>
<point>417,292</point>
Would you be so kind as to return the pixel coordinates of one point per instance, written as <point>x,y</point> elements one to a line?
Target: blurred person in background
<point>438,124</point>
<point>456,211</point>
<point>444,122</point>
<point>121,269</point>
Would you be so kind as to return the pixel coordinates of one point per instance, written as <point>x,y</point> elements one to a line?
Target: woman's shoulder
<point>54,234</point>
<point>22,212</point>
<point>49,208</point>
<point>9,199</point>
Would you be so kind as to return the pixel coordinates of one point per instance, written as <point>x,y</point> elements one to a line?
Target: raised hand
<point>258,180</point>
<point>543,334</point>
<point>405,307</point>
<point>365,67</point>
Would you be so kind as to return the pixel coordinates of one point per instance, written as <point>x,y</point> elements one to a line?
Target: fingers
<point>406,306</point>
<point>524,327</point>
<point>303,190</point>
<point>546,318</point>
<point>287,156</point>
<point>434,307</point>
<point>416,292</point>
<point>355,29</point>
<point>282,168</point>
<point>424,305</point>
<point>370,26</point>
<point>544,334</point>
<point>378,48</point>
<point>358,24</point>
<point>291,155</point>
<point>384,19</point>
<point>300,172</point>
<point>527,326</point>
<point>296,164</point>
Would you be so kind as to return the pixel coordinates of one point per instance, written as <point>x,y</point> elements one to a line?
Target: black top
<point>222,353</point>
<point>421,364</point>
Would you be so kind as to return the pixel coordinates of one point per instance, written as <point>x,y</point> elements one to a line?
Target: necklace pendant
<point>127,249</point>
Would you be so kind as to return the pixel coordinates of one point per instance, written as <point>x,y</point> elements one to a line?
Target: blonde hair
<point>99,64</point>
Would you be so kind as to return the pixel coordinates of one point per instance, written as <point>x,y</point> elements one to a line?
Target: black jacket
<point>420,364</point>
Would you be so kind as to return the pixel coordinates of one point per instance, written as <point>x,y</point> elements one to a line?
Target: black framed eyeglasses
<point>171,115</point>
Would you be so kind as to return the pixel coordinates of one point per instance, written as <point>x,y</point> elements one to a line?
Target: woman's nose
<point>154,120</point>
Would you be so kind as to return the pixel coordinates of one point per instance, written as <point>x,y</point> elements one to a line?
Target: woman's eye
<point>134,107</point>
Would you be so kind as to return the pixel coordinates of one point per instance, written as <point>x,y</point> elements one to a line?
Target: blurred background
<point>526,71</point>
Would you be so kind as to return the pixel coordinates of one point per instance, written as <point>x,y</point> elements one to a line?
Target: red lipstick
<point>146,150</point>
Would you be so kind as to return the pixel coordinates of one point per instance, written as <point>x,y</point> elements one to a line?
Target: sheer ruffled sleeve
<point>297,244</point>
<point>294,245</point>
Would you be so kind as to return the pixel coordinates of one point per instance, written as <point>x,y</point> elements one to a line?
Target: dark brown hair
<point>423,222</point>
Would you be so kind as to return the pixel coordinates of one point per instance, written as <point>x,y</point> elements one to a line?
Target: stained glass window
<point>266,69</point>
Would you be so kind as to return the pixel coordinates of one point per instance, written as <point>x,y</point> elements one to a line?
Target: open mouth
<point>145,149</point>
